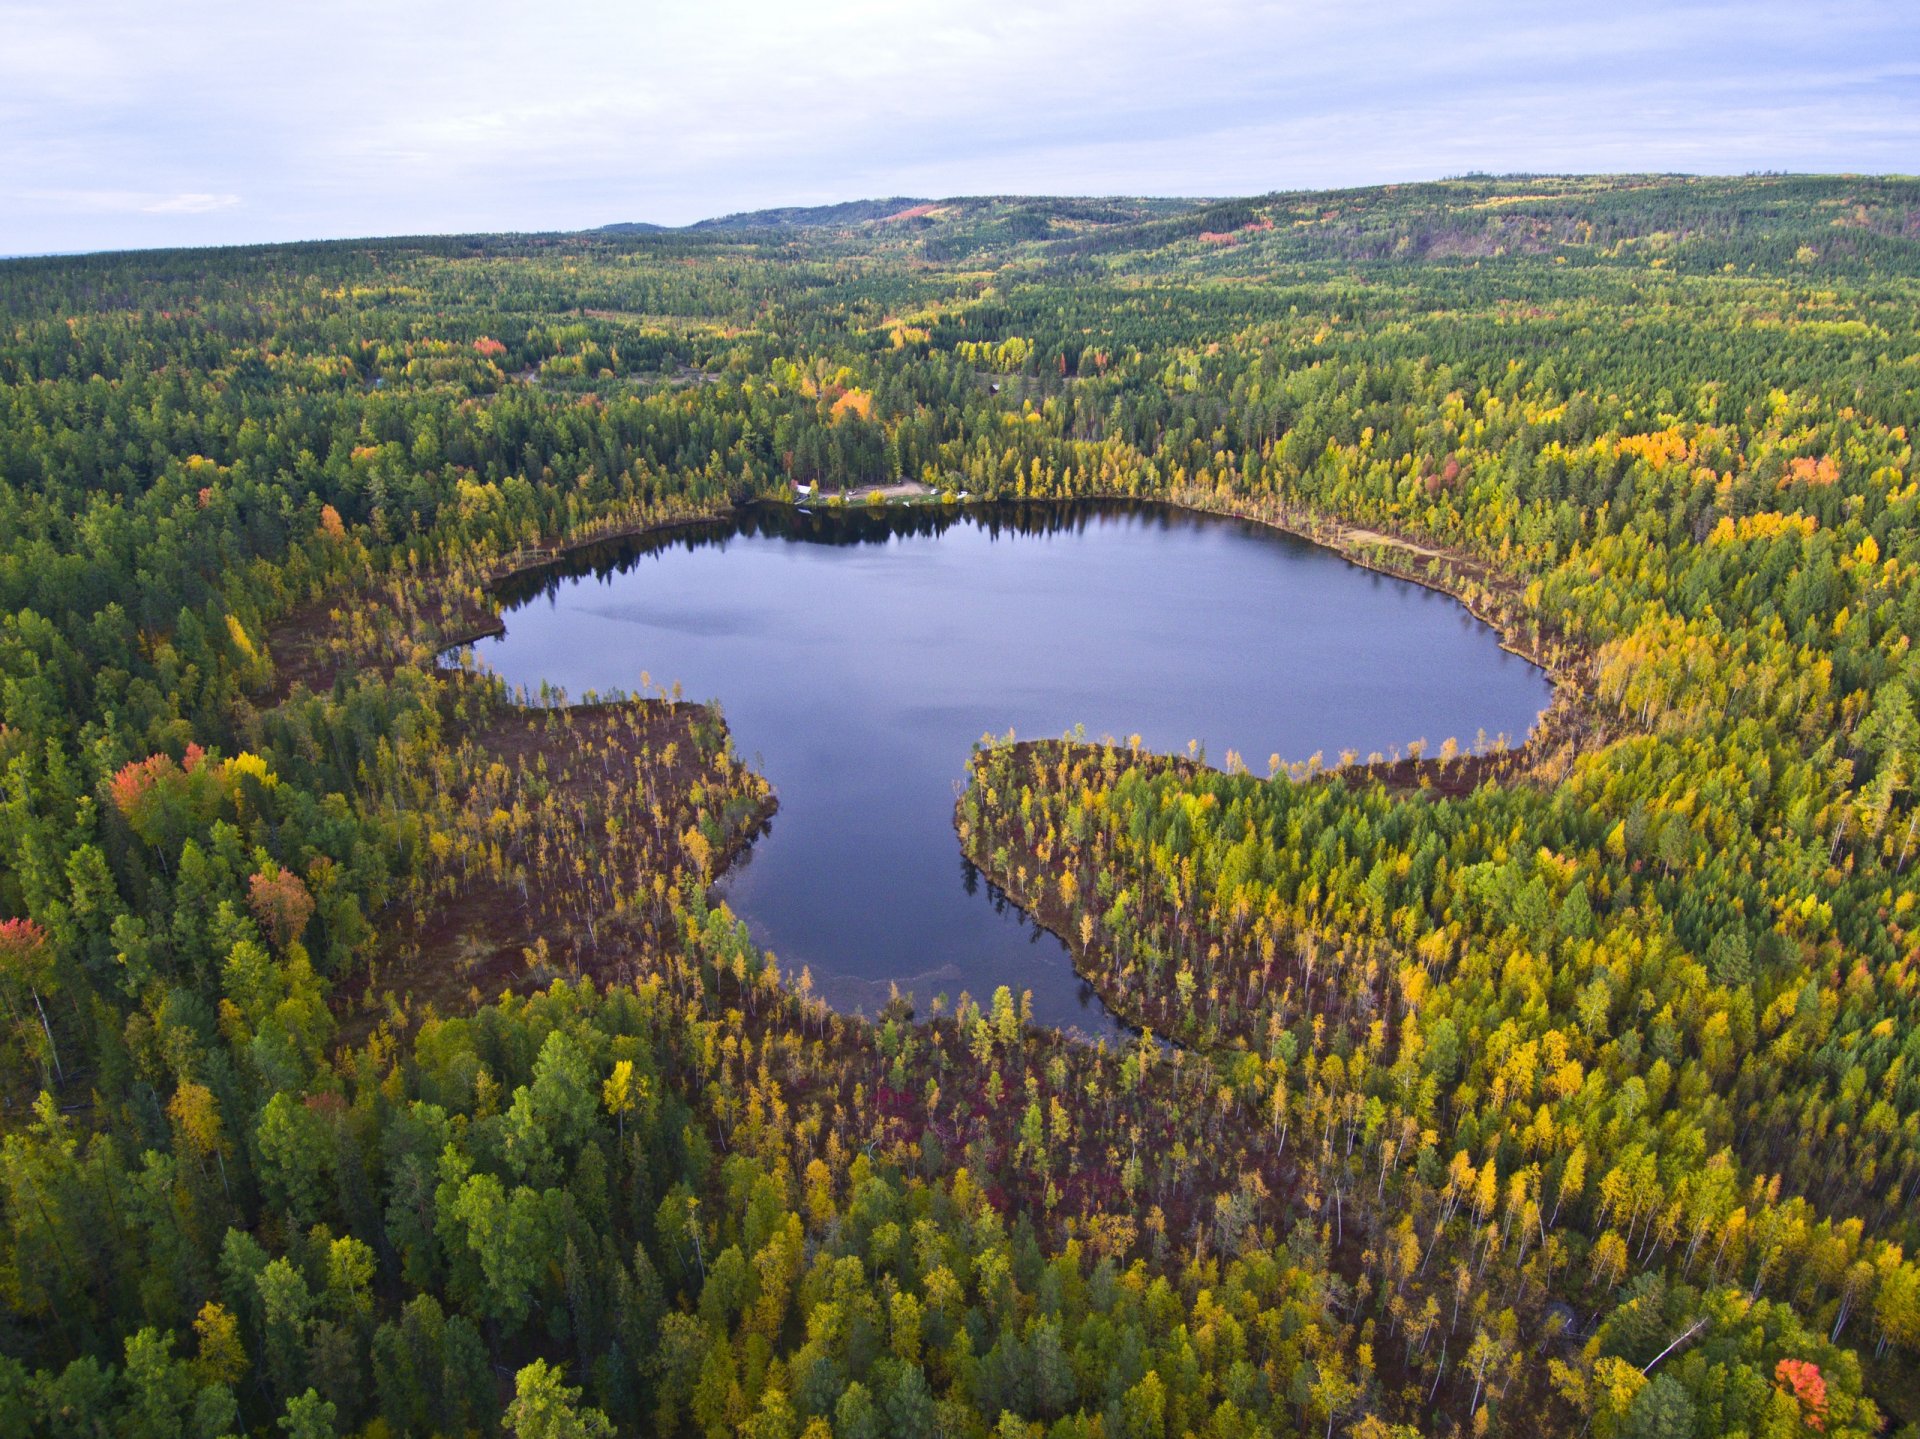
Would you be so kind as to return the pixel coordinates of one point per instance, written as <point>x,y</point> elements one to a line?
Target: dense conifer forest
<point>373,1062</point>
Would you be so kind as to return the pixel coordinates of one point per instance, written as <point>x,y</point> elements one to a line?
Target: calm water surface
<point>858,657</point>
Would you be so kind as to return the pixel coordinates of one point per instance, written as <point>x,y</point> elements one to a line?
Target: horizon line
<point>646,226</point>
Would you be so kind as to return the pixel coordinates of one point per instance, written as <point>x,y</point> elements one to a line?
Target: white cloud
<point>126,202</point>
<point>365,117</point>
<point>189,203</point>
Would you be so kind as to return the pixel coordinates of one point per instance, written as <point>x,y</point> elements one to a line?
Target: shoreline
<point>1560,731</point>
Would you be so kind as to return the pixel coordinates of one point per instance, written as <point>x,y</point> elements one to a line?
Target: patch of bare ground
<point>895,490</point>
<point>898,490</point>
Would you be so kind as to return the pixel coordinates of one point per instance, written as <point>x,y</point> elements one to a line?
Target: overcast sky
<point>129,123</point>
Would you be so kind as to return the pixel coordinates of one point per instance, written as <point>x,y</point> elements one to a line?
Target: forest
<point>375,1062</point>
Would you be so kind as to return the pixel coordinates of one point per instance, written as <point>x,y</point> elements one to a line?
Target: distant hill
<point>788,217</point>
<point>1035,214</point>
<point>848,212</point>
<point>1684,222</point>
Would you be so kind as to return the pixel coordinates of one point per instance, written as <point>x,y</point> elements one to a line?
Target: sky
<point>130,124</point>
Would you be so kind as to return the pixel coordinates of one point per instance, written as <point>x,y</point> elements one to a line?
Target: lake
<point>858,656</point>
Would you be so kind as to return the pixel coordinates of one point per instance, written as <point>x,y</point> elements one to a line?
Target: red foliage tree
<point>136,780</point>
<point>280,901</point>
<point>1807,1385</point>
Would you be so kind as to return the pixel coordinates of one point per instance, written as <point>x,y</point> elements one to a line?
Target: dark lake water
<point>858,657</point>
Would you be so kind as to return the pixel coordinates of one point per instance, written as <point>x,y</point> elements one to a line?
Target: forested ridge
<point>375,1063</point>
